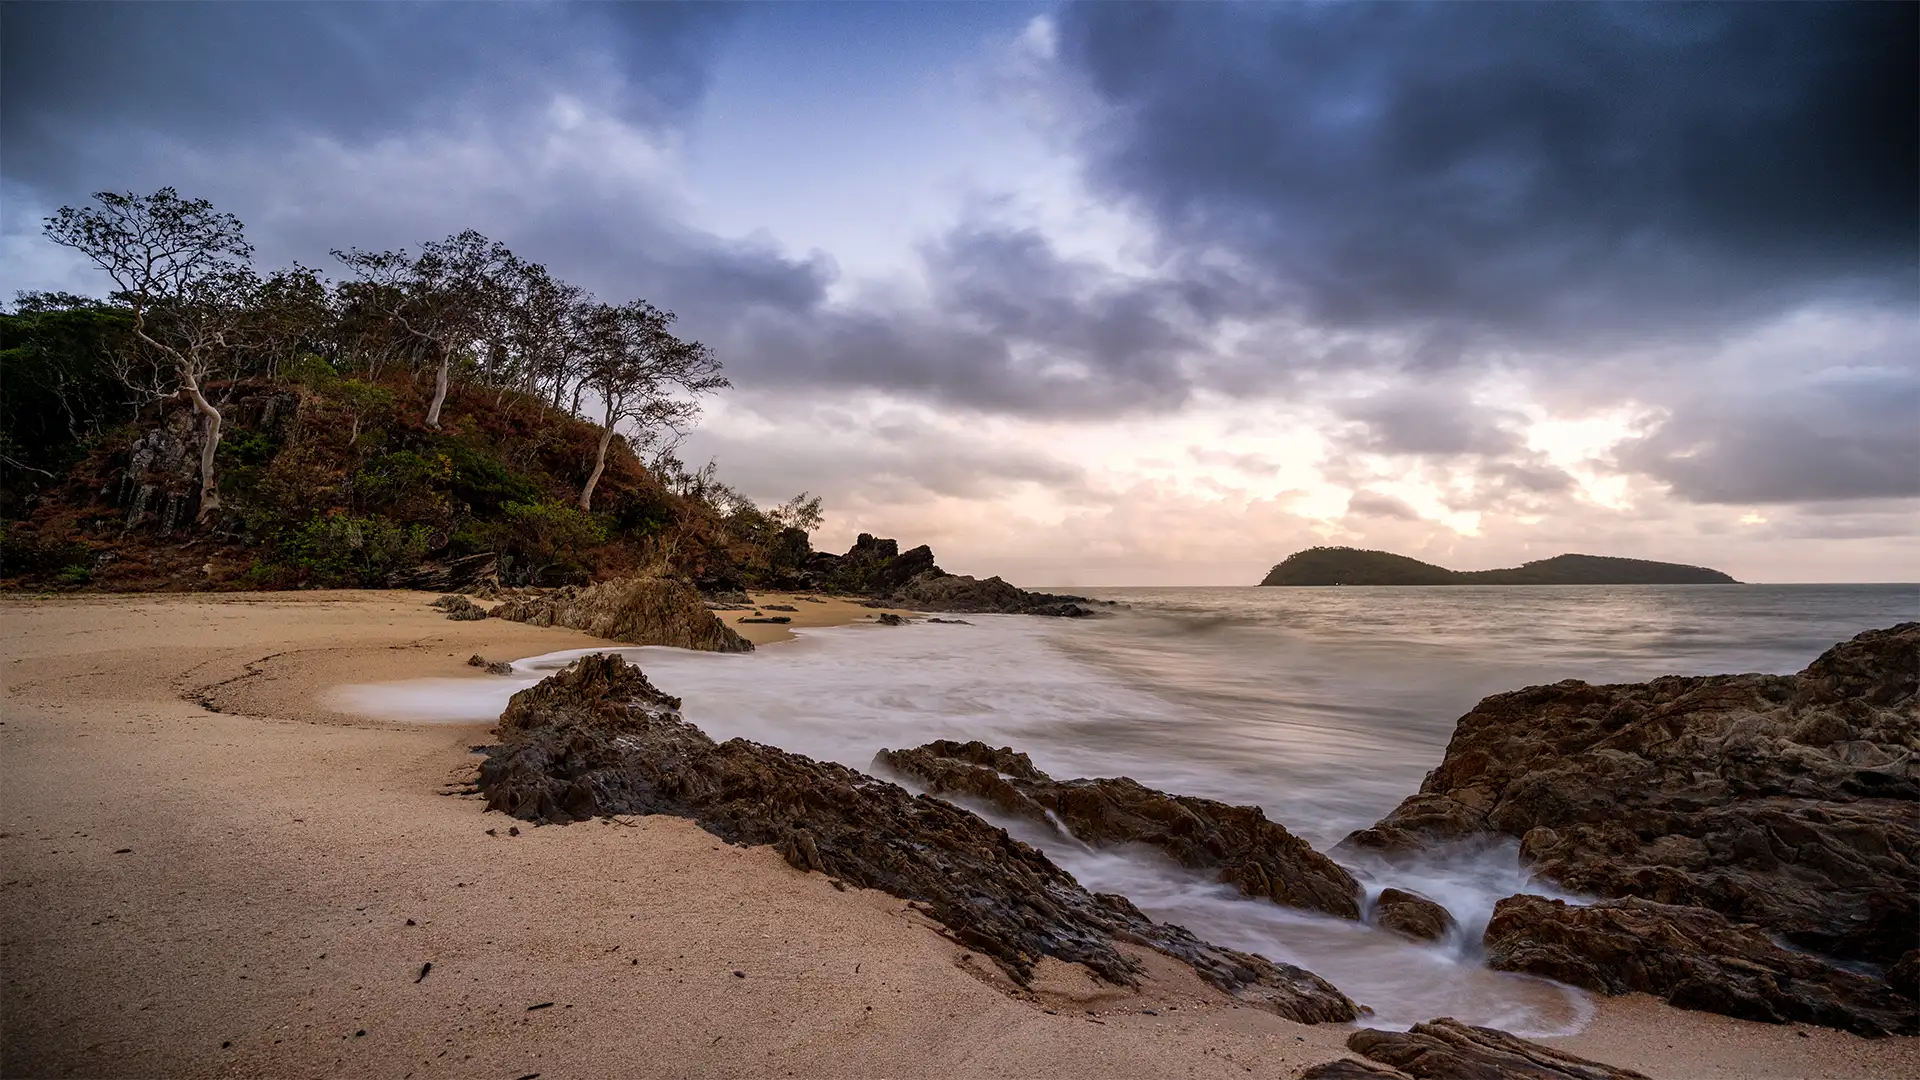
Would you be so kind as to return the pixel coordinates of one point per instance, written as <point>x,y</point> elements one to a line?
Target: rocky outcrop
<point>1790,802</point>
<point>876,567</point>
<point>1446,1049</point>
<point>598,738</point>
<point>1693,958</point>
<point>937,590</point>
<point>460,609</point>
<point>1411,915</point>
<point>1236,843</point>
<point>638,610</point>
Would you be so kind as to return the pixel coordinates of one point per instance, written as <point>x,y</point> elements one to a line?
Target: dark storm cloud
<point>1542,171</point>
<point>1009,326</point>
<point>77,77</point>
<point>1842,439</point>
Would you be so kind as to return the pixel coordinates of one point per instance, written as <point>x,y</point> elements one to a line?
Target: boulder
<point>494,667</point>
<point>1693,958</point>
<point>460,609</point>
<point>1446,1049</point>
<point>1411,915</point>
<point>1788,801</point>
<point>598,738</point>
<point>638,610</point>
<point>1236,843</point>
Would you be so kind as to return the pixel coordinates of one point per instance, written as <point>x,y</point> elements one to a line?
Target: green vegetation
<point>1353,566</point>
<point>208,427</point>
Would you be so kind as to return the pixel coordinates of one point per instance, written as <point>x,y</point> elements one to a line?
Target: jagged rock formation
<point>639,610</point>
<point>1354,566</point>
<point>1692,957</point>
<point>1259,857</point>
<point>1411,915</point>
<point>598,738</point>
<point>876,567</point>
<point>1446,1049</point>
<point>1786,801</point>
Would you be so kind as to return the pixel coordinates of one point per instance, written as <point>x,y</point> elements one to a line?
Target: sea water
<point>1323,706</point>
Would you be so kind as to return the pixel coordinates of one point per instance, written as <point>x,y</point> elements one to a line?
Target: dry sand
<point>255,891</point>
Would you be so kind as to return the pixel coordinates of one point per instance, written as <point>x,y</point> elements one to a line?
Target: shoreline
<point>275,829</point>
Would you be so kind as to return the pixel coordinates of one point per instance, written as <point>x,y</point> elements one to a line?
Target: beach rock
<point>1258,857</point>
<point>460,609</point>
<point>639,610</point>
<point>1693,958</point>
<point>1351,1069</point>
<point>888,618</point>
<point>1411,915</point>
<point>1446,1049</point>
<point>1791,802</point>
<point>949,622</point>
<point>767,619</point>
<point>494,667</point>
<point>781,607</point>
<point>598,738</point>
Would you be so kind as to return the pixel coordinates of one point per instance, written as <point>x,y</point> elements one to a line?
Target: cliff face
<point>1353,566</point>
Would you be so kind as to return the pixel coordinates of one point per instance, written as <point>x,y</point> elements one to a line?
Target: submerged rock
<point>1446,1049</point>
<point>1411,915</point>
<point>1694,958</point>
<point>639,610</point>
<point>1791,802</point>
<point>1259,857</point>
<point>598,738</point>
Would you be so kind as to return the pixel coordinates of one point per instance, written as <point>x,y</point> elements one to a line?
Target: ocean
<point>1324,706</point>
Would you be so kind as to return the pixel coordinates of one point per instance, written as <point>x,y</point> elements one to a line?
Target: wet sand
<point>207,872</point>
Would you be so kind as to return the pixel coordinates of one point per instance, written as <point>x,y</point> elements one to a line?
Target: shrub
<point>340,549</point>
<point>545,538</point>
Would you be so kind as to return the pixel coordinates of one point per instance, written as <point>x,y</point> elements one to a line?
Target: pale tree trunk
<point>209,444</point>
<point>599,466</point>
<point>439,389</point>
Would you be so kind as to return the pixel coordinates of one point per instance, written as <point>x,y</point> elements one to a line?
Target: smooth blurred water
<point>1324,706</point>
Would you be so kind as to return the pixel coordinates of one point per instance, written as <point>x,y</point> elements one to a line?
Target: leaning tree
<point>643,376</point>
<point>184,271</point>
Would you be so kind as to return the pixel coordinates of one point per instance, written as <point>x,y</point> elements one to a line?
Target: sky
<point>1126,294</point>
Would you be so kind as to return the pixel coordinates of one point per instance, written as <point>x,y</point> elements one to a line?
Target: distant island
<point>1354,566</point>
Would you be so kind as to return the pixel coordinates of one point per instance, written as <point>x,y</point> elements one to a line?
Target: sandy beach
<point>209,872</point>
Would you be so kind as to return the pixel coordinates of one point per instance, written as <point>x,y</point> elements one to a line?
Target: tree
<point>185,272</point>
<point>447,301</point>
<point>636,366</point>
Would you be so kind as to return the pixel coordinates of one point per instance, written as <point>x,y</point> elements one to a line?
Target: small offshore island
<point>1355,566</point>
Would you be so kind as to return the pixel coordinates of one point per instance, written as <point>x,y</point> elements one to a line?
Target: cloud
<point>1374,504</point>
<point>1573,173</point>
<point>1852,435</point>
<point>79,77</point>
